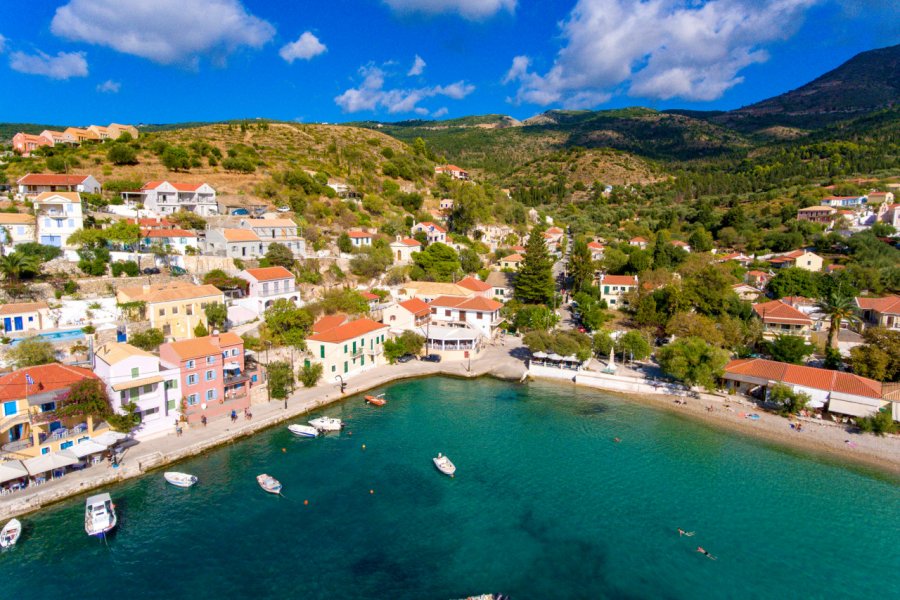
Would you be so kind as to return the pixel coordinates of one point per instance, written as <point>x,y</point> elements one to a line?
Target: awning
<point>233,366</point>
<point>85,448</point>
<point>539,355</point>
<point>109,438</point>
<point>48,462</point>
<point>127,385</point>
<point>853,409</point>
<point>12,469</point>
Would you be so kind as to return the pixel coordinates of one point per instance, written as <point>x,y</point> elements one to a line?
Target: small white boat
<point>10,533</point>
<point>303,430</point>
<point>99,515</point>
<point>182,480</point>
<point>269,483</point>
<point>327,424</point>
<point>444,465</point>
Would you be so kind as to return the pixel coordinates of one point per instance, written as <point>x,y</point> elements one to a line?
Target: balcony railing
<point>18,445</point>
<point>236,379</point>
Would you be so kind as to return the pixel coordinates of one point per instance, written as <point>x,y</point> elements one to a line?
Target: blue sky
<point>161,61</point>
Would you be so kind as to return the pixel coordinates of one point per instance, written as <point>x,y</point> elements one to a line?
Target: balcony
<point>236,379</point>
<point>17,446</point>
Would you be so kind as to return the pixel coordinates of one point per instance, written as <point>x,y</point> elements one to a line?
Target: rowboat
<point>303,430</point>
<point>269,483</point>
<point>376,400</point>
<point>99,515</point>
<point>444,465</point>
<point>182,480</point>
<point>327,424</point>
<point>10,533</point>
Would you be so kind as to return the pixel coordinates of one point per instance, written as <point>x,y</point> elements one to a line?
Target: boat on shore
<point>376,400</point>
<point>303,430</point>
<point>327,424</point>
<point>182,480</point>
<point>99,515</point>
<point>10,533</point>
<point>269,483</point>
<point>444,465</point>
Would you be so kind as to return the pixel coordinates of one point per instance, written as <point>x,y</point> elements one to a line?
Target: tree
<point>409,342</point>
<point>534,281</point>
<point>16,265</point>
<point>188,220</point>
<point>344,300</point>
<point>693,361</point>
<point>437,262</point>
<point>880,423</point>
<point>693,325</point>
<point>879,357</point>
<point>701,240</point>
<point>281,379</point>
<point>791,402</point>
<point>200,330</point>
<point>31,352</point>
<point>633,345</point>
<point>794,281</point>
<point>790,349</point>
<point>564,343</point>
<point>646,313</point>
<point>122,154</point>
<point>86,397</point>
<point>216,314</point>
<point>344,244</point>
<point>533,317</point>
<point>469,260</point>
<point>279,255</point>
<point>581,266</point>
<point>148,340</point>
<point>287,325</point>
<point>310,374</point>
<point>838,308</point>
<point>175,158</point>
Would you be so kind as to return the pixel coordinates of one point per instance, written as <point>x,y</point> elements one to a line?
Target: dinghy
<point>327,424</point>
<point>444,465</point>
<point>182,480</point>
<point>303,430</point>
<point>99,515</point>
<point>10,533</point>
<point>376,400</point>
<point>269,483</point>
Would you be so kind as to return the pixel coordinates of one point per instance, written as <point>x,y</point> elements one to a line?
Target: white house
<point>234,243</point>
<point>282,231</point>
<point>57,215</point>
<point>346,348</point>
<point>19,319</point>
<point>502,285</point>
<point>268,284</point>
<point>410,315</point>
<point>360,238</point>
<point>402,249</point>
<point>433,232</point>
<point>16,228</point>
<point>596,250</point>
<point>477,312</point>
<point>133,375</point>
<point>613,288</point>
<point>33,184</point>
<point>453,171</point>
<point>165,198</point>
<point>176,240</point>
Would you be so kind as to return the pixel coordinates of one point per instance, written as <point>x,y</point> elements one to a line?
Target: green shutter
<point>322,351</point>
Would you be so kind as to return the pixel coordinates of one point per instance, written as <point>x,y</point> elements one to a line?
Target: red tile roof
<point>471,283</point>
<point>513,258</point>
<point>812,377</point>
<point>595,246</point>
<point>639,239</point>
<point>477,303</point>
<point>619,280</point>
<point>416,307</point>
<point>46,179</point>
<point>359,234</point>
<point>47,378</point>
<point>167,233</point>
<point>777,311</point>
<point>409,242</point>
<point>269,273</point>
<point>347,331</point>
<point>888,304</point>
<point>555,231</point>
<point>370,296</point>
<point>329,322</point>
<point>430,225</point>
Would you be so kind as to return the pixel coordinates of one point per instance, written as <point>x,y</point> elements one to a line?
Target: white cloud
<point>656,49</point>
<point>417,67</point>
<point>164,31</point>
<point>440,112</point>
<point>62,66</point>
<point>306,47</point>
<point>371,94</point>
<point>109,87</point>
<point>2,43</point>
<point>470,9</point>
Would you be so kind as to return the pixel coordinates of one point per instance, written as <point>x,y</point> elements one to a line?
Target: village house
<point>134,375</point>
<point>758,279</point>
<point>511,262</point>
<point>446,205</point>
<point>596,250</point>
<point>409,315</point>
<point>78,135</point>
<point>834,391</point>
<point>613,288</point>
<point>25,143</point>
<point>738,257</point>
<point>502,285</point>
<point>779,318</point>
<point>640,242</point>
<point>479,288</point>
<point>266,285</point>
<point>117,129</point>
<point>174,308</point>
<point>30,426</point>
<point>281,231</point>
<point>433,233</point>
<point>880,198</point>
<point>346,348</point>
<point>214,379</point>
<point>453,171</point>
<point>33,184</point>
<point>817,214</point>
<point>151,223</point>
<point>166,198</point>
<point>880,312</point>
<point>891,216</point>
<point>25,317</point>
<point>176,240</point>
<point>234,243</point>
<point>553,235</point>
<point>15,229</point>
<point>429,290</point>
<point>801,259</point>
<point>402,249</point>
<point>101,131</point>
<point>843,201</point>
<point>54,137</point>
<point>57,216</point>
<point>479,313</point>
<point>360,238</point>
<point>746,292</point>
<point>683,245</point>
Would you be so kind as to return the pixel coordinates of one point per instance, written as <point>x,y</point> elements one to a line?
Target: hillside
<point>586,167</point>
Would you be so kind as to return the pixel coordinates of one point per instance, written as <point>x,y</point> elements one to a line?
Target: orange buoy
<point>306,502</point>
<point>284,449</point>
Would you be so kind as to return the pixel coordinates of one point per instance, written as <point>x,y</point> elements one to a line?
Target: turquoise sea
<point>544,505</point>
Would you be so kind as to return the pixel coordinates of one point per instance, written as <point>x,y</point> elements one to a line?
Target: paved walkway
<point>499,360</point>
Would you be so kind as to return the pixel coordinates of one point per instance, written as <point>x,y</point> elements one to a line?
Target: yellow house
<point>174,308</point>
<point>346,348</point>
<point>29,424</point>
<point>511,262</point>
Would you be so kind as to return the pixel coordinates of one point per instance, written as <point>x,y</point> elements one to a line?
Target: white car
<point>283,209</point>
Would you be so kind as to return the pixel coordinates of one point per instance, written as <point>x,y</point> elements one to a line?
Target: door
<point>7,324</point>
<point>462,316</point>
<point>18,324</point>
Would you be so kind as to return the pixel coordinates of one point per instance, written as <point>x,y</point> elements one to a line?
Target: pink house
<point>25,143</point>
<point>214,381</point>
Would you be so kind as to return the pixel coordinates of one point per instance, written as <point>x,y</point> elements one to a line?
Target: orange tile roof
<point>269,273</point>
<point>431,225</point>
<point>359,234</point>
<point>812,377</point>
<point>195,348</point>
<point>619,280</point>
<point>347,331</point>
<point>408,242</point>
<point>67,196</point>
<point>255,223</point>
<point>47,378</point>
<point>47,179</point>
<point>23,307</point>
<point>370,296</point>
<point>513,258</point>
<point>471,283</point>
<point>777,311</point>
<point>477,303</point>
<point>239,235</point>
<point>167,292</point>
<point>595,245</point>
<point>167,233</point>
<point>16,218</point>
<point>638,239</point>
<point>555,230</point>
<point>329,322</point>
<point>450,168</point>
<point>416,306</point>
<point>230,338</point>
<point>888,304</point>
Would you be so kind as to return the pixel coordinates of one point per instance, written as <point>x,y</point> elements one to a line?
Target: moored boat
<point>303,430</point>
<point>99,515</point>
<point>376,400</point>
<point>444,465</point>
<point>269,483</point>
<point>327,424</point>
<point>10,533</point>
<point>183,480</point>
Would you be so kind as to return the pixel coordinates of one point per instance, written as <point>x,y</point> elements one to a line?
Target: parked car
<point>432,358</point>
<point>406,358</point>
<point>283,209</point>
<point>151,271</point>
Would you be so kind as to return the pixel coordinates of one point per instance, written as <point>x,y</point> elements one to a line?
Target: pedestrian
<point>178,431</point>
<point>233,416</point>
<point>203,420</point>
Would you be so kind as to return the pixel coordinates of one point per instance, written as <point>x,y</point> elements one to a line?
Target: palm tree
<point>17,264</point>
<point>838,307</point>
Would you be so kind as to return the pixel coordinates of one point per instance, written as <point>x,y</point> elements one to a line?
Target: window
<point>162,312</point>
<point>447,313</point>
<point>174,310</point>
<point>133,393</point>
<point>333,368</point>
<point>150,411</point>
<point>172,384</point>
<point>135,371</point>
<point>479,316</point>
<point>190,364</point>
<point>9,408</point>
<point>170,404</point>
<point>48,406</point>
<point>191,379</point>
<point>345,348</point>
<point>192,400</point>
<point>210,375</point>
<point>322,351</point>
<point>147,389</point>
<point>189,309</point>
<point>234,352</point>
<point>211,394</point>
<point>210,359</point>
<point>71,223</point>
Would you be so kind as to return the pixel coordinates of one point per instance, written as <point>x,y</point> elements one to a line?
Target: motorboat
<point>269,483</point>
<point>327,424</point>
<point>182,480</point>
<point>376,400</point>
<point>444,465</point>
<point>10,533</point>
<point>303,430</point>
<point>99,515</point>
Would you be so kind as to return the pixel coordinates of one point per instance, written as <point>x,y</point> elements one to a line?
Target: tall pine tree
<point>581,267</point>
<point>534,281</point>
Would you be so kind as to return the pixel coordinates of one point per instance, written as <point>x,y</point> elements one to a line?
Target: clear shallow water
<point>544,505</point>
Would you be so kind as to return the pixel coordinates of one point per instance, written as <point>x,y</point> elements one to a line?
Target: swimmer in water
<point>705,553</point>
<point>682,532</point>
